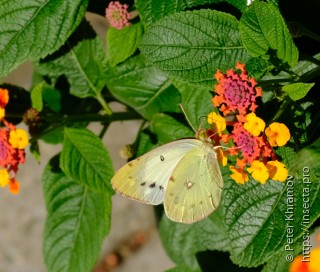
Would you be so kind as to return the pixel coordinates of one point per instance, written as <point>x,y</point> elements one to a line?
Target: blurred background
<point>133,243</point>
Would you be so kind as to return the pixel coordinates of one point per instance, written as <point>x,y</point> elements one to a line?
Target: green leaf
<point>151,11</point>
<point>123,43</point>
<point>145,143</point>
<point>77,221</point>
<point>262,28</point>
<point>196,101</point>
<point>82,62</point>
<point>257,67</point>
<point>85,159</point>
<point>297,91</point>
<point>52,97</point>
<point>303,67</point>
<point>259,217</point>
<point>182,268</point>
<point>33,29</point>
<point>169,129</point>
<point>280,262</point>
<point>192,45</point>
<point>143,87</point>
<point>183,241</point>
<point>36,96</point>
<point>307,157</point>
<point>287,154</point>
<point>56,136</point>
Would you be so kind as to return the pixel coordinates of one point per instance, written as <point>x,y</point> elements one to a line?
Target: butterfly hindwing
<point>145,179</point>
<point>195,186</point>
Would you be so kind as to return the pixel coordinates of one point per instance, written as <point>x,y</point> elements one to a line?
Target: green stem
<point>59,122</point>
<point>309,58</point>
<point>104,130</point>
<point>280,111</point>
<point>104,105</point>
<point>310,75</point>
<point>116,116</point>
<point>275,81</point>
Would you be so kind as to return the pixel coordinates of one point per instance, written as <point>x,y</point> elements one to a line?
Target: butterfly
<point>184,175</point>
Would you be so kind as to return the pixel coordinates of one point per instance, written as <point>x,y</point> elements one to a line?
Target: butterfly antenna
<point>185,114</point>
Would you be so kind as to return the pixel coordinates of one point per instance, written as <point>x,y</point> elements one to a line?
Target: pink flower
<point>236,91</point>
<point>118,15</point>
<point>252,147</point>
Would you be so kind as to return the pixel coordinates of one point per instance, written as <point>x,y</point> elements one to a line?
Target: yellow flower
<point>4,177</point>
<point>218,122</point>
<point>312,266</point>
<point>18,138</point>
<point>2,113</point>
<point>221,156</point>
<point>277,170</point>
<point>278,134</point>
<point>259,171</point>
<point>238,175</point>
<point>314,263</point>
<point>254,124</point>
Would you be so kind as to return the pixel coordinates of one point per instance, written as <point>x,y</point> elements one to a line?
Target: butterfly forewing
<point>146,178</point>
<point>195,186</point>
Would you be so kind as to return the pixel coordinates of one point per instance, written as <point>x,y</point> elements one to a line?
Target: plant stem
<point>103,103</point>
<point>280,111</point>
<point>59,122</point>
<point>116,116</point>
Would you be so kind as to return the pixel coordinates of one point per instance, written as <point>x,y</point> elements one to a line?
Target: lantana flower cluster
<point>118,15</point>
<point>13,141</point>
<point>310,264</point>
<point>248,136</point>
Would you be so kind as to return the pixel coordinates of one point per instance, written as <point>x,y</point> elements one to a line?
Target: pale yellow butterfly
<point>184,175</point>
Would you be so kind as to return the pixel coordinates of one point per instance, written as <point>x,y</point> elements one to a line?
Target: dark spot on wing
<point>130,164</point>
<point>143,183</point>
<point>161,158</point>
<point>152,185</point>
<point>161,187</point>
<point>171,179</point>
<point>201,202</point>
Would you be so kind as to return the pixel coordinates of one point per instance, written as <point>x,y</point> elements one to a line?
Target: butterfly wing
<point>145,179</point>
<point>194,189</point>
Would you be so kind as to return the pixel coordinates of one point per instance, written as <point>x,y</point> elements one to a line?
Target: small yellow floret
<point>217,121</point>
<point>277,170</point>
<point>18,138</point>
<point>4,177</point>
<point>238,175</point>
<point>259,171</point>
<point>278,134</point>
<point>221,156</point>
<point>254,124</point>
<point>2,113</point>
<point>314,263</point>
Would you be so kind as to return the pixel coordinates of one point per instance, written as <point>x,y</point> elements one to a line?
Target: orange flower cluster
<point>250,141</point>
<point>13,141</point>
<point>312,264</point>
